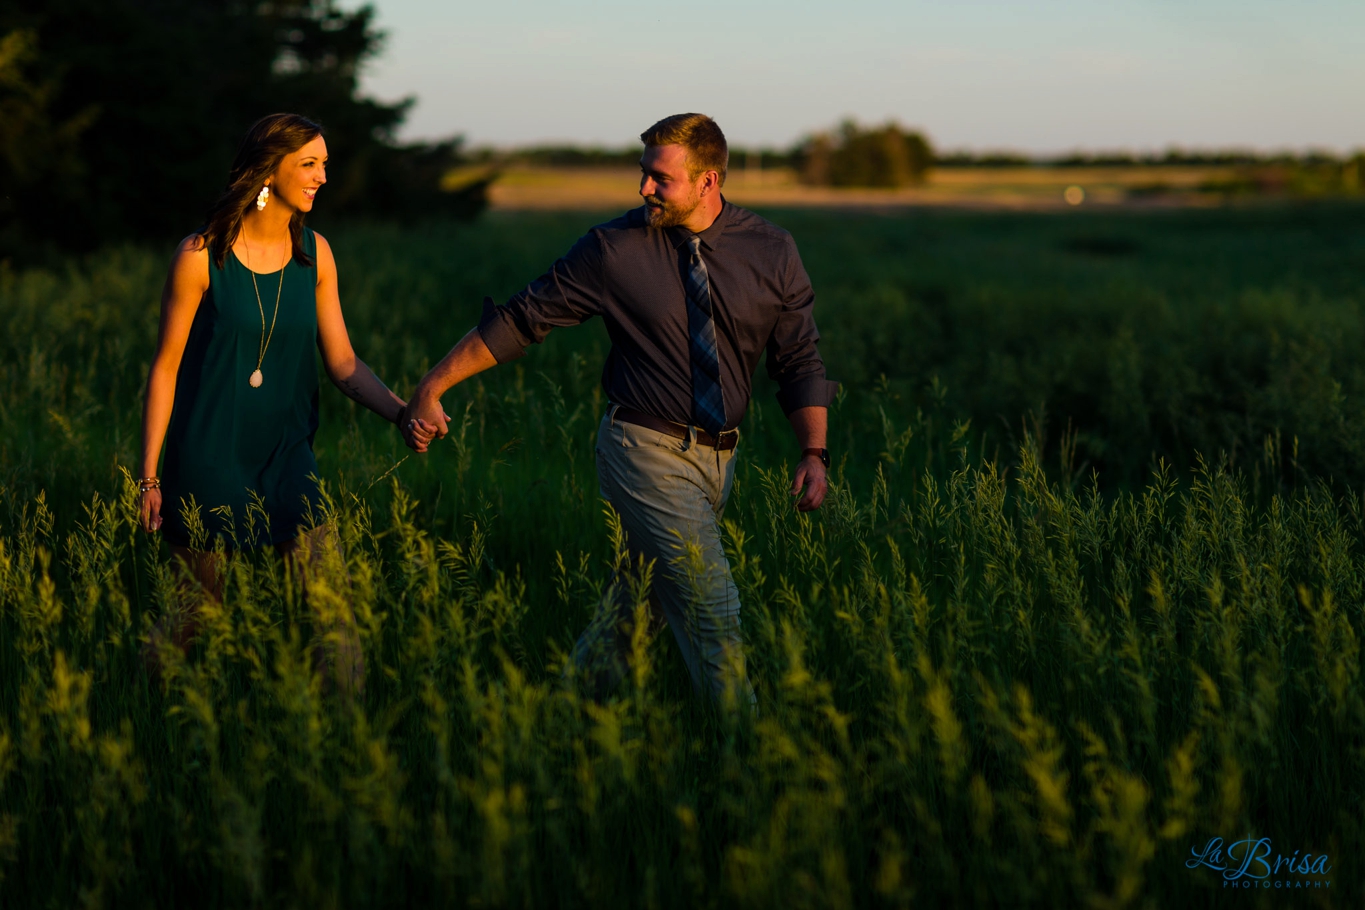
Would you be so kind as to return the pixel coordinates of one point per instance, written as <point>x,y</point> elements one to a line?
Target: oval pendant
<point>256,379</point>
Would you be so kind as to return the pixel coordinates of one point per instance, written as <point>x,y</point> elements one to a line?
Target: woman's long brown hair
<point>265,145</point>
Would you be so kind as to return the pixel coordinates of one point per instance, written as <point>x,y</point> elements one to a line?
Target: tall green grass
<point>986,675</point>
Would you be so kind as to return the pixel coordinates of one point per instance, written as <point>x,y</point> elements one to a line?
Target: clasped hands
<point>422,422</point>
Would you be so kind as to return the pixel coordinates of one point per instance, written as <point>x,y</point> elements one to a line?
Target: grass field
<point>1086,595</point>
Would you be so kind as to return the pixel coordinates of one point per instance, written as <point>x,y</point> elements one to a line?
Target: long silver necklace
<point>256,377</point>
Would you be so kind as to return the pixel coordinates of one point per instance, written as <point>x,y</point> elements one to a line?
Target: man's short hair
<point>699,135</point>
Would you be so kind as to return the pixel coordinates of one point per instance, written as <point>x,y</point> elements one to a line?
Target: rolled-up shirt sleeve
<point>568,294</point>
<point>793,358</point>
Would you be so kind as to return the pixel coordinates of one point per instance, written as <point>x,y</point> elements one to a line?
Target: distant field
<point>527,188</point>
<point>1086,595</point>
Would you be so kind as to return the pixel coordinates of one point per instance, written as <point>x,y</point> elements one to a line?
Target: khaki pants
<point>670,494</point>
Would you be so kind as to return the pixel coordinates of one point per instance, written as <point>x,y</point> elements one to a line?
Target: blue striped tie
<point>708,401</point>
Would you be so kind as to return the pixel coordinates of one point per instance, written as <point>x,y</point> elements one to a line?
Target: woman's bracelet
<point>146,484</point>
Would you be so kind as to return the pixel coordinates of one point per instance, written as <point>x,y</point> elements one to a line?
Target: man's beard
<point>669,215</point>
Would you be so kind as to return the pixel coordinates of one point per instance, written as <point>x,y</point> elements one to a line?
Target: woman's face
<point>300,174</point>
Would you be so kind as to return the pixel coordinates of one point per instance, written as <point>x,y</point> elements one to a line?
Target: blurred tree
<point>883,156</point>
<point>119,118</point>
<point>1351,172</point>
<point>35,147</point>
<point>813,158</point>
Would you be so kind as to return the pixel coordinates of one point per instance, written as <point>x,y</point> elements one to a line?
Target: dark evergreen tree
<point>119,118</point>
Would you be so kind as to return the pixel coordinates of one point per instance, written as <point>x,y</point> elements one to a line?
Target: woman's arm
<point>347,371</point>
<point>185,286</point>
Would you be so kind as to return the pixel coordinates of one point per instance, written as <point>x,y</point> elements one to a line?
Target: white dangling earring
<point>263,198</point>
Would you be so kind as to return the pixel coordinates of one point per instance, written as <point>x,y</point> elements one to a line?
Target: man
<point>692,289</point>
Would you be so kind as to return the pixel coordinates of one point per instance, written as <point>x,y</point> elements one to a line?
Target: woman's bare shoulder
<point>191,260</point>
<point>193,243</point>
<point>326,262</point>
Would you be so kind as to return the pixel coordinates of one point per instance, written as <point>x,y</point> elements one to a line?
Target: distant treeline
<point>891,156</point>
<point>119,118</point>
<point>852,155</point>
<point>742,157</point>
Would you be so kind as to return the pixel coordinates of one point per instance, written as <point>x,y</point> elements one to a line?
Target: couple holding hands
<point>692,288</point>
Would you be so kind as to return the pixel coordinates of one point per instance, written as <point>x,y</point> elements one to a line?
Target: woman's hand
<point>417,434</point>
<point>151,510</point>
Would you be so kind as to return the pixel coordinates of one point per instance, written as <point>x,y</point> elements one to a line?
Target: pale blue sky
<point>1037,76</point>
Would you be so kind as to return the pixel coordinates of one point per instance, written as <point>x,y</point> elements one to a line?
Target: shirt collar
<point>710,238</point>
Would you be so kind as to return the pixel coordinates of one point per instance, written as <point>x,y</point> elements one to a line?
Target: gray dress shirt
<point>632,276</point>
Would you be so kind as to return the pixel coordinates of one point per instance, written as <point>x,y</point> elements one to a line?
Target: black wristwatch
<point>823,453</point>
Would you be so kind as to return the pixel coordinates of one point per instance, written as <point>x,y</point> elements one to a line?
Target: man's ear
<point>710,182</point>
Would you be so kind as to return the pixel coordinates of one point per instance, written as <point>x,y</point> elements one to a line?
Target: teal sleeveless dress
<point>243,455</point>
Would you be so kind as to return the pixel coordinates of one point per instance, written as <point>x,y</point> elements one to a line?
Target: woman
<point>233,391</point>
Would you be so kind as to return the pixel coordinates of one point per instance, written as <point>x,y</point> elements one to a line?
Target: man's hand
<point>809,424</point>
<point>425,417</point>
<point>810,475</point>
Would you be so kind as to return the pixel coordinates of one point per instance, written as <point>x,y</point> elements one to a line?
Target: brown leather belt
<point>728,438</point>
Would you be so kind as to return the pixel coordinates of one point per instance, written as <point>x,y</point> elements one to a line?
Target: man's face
<point>670,194</point>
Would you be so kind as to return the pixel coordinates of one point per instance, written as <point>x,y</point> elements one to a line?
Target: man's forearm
<point>468,357</point>
<point>810,425</point>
